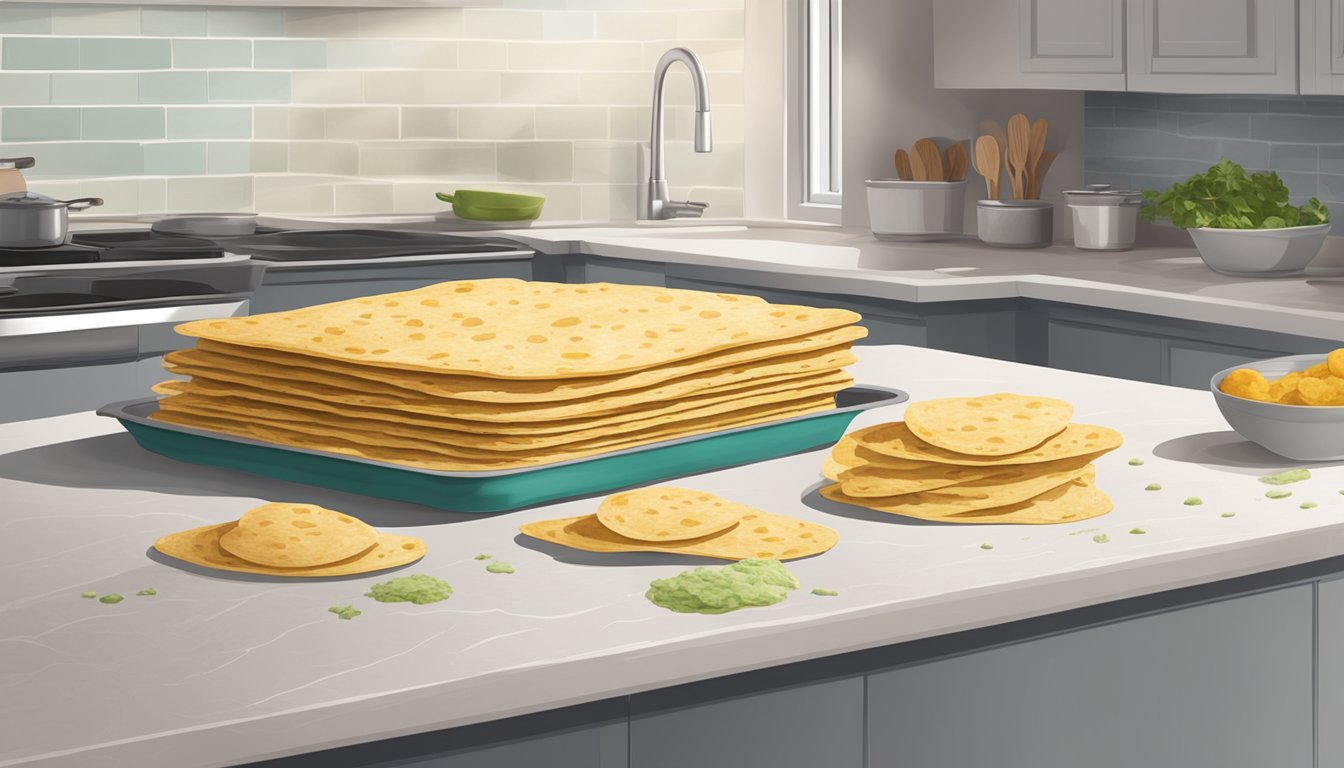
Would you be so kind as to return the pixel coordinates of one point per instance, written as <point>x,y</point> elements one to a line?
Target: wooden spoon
<point>931,158</point>
<point>956,162</point>
<point>1042,166</point>
<point>1019,141</point>
<point>1034,150</point>
<point>903,169</point>
<point>987,164</point>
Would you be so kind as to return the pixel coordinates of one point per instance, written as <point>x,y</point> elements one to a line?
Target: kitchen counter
<point>218,669</point>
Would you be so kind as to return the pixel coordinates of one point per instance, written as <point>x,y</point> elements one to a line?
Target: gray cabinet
<point>1212,46</point>
<point>1321,46</point>
<point>1221,685</point>
<point>1092,349</point>
<point>1330,673</point>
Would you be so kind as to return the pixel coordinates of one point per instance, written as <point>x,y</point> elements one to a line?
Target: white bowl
<point>1249,252</point>
<point>1300,432</point>
<point>915,210</point>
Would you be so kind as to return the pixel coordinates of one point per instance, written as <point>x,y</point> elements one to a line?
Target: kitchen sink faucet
<point>658,205</point>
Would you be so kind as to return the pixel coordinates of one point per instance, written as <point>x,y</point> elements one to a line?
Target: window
<point>814,107</point>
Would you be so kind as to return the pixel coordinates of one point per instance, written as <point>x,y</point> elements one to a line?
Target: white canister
<point>915,210</point>
<point>1104,219</point>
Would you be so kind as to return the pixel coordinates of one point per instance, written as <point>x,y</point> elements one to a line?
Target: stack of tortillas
<point>1000,458</point>
<point>284,539</point>
<point>688,522</point>
<point>497,374</point>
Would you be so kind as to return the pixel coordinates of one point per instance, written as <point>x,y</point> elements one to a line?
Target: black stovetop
<point>118,246</point>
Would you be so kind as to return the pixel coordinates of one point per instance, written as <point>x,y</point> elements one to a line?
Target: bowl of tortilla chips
<point>1293,406</point>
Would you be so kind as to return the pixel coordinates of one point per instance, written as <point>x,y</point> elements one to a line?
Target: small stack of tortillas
<point>688,522</point>
<point>499,374</point>
<point>284,539</point>
<point>1001,458</point>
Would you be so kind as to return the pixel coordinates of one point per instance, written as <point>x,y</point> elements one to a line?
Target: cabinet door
<point>1221,685</point>
<point>1191,364</point>
<point>1071,36</point>
<point>1089,349</point>
<point>1321,42</point>
<point>1213,46</point>
<point>1330,672</point>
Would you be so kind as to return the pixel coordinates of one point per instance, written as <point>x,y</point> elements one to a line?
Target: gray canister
<point>1015,223</point>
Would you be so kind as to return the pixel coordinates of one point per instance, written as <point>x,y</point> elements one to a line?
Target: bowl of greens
<point>1242,223</point>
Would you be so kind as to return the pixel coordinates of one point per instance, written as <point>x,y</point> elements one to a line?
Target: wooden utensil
<point>1034,150</point>
<point>1019,142</point>
<point>987,164</point>
<point>931,158</point>
<point>956,162</point>
<point>903,169</point>
<point>1038,179</point>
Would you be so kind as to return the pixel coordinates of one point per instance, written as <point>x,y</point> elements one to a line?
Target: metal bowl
<point>1259,252</point>
<point>1300,432</point>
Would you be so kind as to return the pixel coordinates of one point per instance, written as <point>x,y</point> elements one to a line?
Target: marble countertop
<point>218,669</point>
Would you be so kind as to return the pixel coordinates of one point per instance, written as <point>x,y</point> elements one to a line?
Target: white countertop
<point>216,670</point>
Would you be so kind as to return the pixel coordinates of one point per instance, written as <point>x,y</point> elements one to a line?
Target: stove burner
<point>342,244</point>
<point>111,247</point>
<point>56,254</point>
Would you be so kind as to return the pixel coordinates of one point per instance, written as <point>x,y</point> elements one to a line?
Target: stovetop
<point>360,244</point>
<point>112,247</point>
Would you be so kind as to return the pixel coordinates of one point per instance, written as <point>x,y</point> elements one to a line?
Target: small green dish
<point>509,489</point>
<point>493,206</point>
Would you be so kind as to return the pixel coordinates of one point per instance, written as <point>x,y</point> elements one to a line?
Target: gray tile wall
<point>1149,141</point>
<point>351,110</point>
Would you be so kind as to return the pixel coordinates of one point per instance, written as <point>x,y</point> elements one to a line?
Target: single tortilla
<point>200,546</point>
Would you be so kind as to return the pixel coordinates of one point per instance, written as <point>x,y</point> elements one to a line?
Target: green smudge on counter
<point>111,599</point>
<point>750,582</point>
<point>1152,487</point>
<point>147,592</point>
<point>88,595</point>
<point>1137,530</point>
<point>825,592</point>
<point>346,612</point>
<point>1136,462</point>
<point>1307,505</point>
<point>1193,501</point>
<point>986,545</point>
<point>1278,494</point>
<point>1101,538</point>
<point>484,556</point>
<point>1286,476</point>
<point>1082,531</point>
<point>1228,514</point>
<point>499,566</point>
<point>416,588</point>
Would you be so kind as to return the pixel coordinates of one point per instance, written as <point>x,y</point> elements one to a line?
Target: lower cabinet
<point>1330,673</point>
<point>283,289</point>
<point>1220,685</point>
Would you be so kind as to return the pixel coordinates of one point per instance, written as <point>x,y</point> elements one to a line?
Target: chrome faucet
<point>658,205</point>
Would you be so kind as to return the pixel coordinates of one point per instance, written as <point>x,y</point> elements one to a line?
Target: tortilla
<point>756,535</point>
<point>990,425</point>
<point>200,546</point>
<point>664,513</point>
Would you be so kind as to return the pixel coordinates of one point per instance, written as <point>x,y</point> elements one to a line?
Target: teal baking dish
<point>502,490</point>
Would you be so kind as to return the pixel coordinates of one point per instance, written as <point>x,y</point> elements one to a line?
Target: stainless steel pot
<point>30,220</point>
<point>1104,219</point>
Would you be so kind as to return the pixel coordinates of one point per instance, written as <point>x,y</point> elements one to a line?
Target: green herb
<point>111,599</point>
<point>1226,197</point>
<point>1137,530</point>
<point>986,545</point>
<point>88,595</point>
<point>499,566</point>
<point>484,556</point>
<point>1228,514</point>
<point>1101,538</point>
<point>1278,493</point>
<point>147,592</point>
<point>417,588</point>
<point>1193,501</point>
<point>1152,487</point>
<point>1136,462</point>
<point>1286,476</point>
<point>346,612</point>
<point>1307,505</point>
<point>825,592</point>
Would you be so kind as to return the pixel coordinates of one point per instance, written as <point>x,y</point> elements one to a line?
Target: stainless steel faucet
<point>658,205</point>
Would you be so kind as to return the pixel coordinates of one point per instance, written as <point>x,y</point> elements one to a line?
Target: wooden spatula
<point>956,162</point>
<point>987,164</point>
<point>931,158</point>
<point>1019,143</point>
<point>903,169</point>
<point>1034,150</point>
<point>1038,178</point>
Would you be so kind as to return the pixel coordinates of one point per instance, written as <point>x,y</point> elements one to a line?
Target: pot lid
<point>36,201</point>
<point>1103,194</point>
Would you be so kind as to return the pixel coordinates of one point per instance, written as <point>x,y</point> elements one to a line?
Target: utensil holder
<point>1015,223</point>
<point>916,210</point>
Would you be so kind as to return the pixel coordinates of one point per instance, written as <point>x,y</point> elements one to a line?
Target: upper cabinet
<point>1322,43</point>
<point>1213,46</point>
<point>1172,46</point>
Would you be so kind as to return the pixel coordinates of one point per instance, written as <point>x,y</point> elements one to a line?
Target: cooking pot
<point>30,220</point>
<point>493,206</point>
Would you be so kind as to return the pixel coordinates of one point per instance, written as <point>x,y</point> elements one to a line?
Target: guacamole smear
<point>825,592</point>
<point>346,612</point>
<point>1286,476</point>
<point>88,595</point>
<point>1277,493</point>
<point>416,588</point>
<point>111,599</point>
<point>499,566</point>
<point>746,583</point>
<point>1136,462</point>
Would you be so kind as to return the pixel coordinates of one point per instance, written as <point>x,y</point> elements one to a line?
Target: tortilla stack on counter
<point>288,539</point>
<point>688,522</point>
<point>1000,458</point>
<point>498,374</point>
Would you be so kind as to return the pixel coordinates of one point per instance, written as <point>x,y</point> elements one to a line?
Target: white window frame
<point>814,88</point>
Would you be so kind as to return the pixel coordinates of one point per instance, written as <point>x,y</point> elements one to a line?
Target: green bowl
<point>493,206</point>
<point>509,489</point>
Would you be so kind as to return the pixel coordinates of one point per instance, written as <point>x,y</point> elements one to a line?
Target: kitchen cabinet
<point>1069,44</point>
<point>1321,46</point>
<point>1212,46</point>
<point>1330,672</point>
<point>1220,685</point>
<point>292,288</point>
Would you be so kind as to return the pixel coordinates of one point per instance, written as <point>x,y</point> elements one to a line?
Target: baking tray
<point>508,489</point>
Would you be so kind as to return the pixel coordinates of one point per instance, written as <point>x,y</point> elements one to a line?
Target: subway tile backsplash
<point>345,110</point>
<point>1149,141</point>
